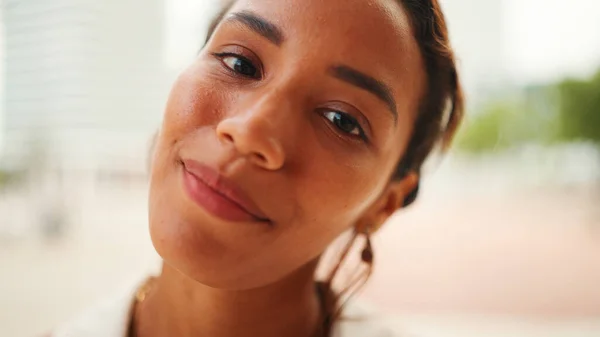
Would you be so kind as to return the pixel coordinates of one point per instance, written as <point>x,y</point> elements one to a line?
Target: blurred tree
<point>579,109</point>
<point>503,124</point>
<point>3,178</point>
<point>484,131</point>
<point>568,111</point>
<point>8,178</point>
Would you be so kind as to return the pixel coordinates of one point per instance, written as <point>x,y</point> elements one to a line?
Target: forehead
<point>356,24</point>
<point>374,36</point>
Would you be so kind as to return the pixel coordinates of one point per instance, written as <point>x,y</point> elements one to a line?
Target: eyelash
<point>361,134</point>
<point>223,56</point>
<point>360,131</point>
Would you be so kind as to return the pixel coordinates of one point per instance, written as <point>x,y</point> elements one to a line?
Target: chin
<point>202,257</point>
<point>202,252</point>
<point>212,251</point>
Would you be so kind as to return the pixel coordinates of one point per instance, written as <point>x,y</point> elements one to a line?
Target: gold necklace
<point>140,296</point>
<point>143,291</point>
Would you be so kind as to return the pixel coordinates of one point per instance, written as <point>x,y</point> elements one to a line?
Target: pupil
<point>346,124</point>
<point>244,68</point>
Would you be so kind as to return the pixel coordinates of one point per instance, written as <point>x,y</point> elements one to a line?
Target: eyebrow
<point>367,83</point>
<point>259,25</point>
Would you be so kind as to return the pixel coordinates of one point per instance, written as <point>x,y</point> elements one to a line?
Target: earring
<point>367,252</point>
<point>411,197</point>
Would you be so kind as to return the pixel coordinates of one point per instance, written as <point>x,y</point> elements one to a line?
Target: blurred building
<point>515,43</point>
<point>541,50</point>
<point>85,80</point>
<point>2,64</point>
<point>478,33</point>
<point>187,23</point>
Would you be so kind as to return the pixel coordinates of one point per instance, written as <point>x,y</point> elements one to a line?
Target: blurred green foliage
<point>558,112</point>
<point>3,178</point>
<point>503,124</point>
<point>8,178</point>
<point>579,112</point>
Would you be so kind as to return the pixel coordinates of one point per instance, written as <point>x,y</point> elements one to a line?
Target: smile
<point>217,195</point>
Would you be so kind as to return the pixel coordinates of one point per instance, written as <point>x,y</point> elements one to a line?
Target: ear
<point>397,194</point>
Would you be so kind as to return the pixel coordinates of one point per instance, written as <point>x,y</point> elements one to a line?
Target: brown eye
<point>345,123</point>
<point>240,65</point>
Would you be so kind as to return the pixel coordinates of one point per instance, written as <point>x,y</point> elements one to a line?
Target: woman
<point>300,120</point>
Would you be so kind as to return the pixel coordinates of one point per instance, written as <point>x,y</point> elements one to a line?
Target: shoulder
<point>110,318</point>
<point>361,319</point>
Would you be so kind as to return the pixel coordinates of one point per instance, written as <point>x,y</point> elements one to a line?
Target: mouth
<point>218,195</point>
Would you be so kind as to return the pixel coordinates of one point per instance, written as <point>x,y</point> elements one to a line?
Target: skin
<point>277,136</point>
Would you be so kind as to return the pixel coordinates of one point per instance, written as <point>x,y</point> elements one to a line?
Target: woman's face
<point>282,135</point>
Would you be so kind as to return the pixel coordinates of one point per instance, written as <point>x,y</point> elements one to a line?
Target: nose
<point>255,134</point>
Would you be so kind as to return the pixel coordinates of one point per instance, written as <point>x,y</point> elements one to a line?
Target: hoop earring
<point>412,196</point>
<point>367,252</point>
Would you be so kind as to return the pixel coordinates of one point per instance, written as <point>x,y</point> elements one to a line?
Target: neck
<point>179,306</point>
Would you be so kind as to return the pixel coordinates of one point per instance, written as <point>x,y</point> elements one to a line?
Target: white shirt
<point>112,317</point>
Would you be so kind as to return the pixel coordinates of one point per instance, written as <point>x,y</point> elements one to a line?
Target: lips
<point>218,195</point>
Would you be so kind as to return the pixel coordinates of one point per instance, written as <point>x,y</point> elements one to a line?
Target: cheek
<point>340,185</point>
<point>194,102</point>
<point>331,198</point>
<point>338,196</point>
<point>330,202</point>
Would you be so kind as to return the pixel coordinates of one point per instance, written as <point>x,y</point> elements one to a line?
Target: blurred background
<point>504,241</point>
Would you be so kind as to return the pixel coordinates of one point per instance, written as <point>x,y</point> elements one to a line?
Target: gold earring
<point>367,252</point>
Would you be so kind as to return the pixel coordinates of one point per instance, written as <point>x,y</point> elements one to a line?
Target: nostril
<point>260,158</point>
<point>227,138</point>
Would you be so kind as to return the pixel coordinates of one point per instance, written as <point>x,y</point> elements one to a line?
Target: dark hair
<point>442,106</point>
<point>440,112</point>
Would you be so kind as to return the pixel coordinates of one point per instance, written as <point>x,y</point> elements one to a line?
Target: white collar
<point>110,318</point>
